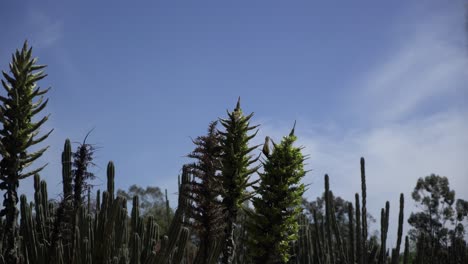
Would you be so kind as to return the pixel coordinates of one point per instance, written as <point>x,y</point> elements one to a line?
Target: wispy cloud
<point>405,137</point>
<point>47,30</point>
<point>426,63</point>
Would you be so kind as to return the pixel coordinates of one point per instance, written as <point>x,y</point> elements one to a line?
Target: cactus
<point>364,209</point>
<point>108,235</point>
<point>101,236</point>
<point>326,244</point>
<point>235,172</point>
<point>406,253</point>
<point>206,210</point>
<point>18,134</point>
<point>273,226</point>
<point>396,254</point>
<point>71,231</point>
<point>359,249</point>
<point>328,220</point>
<point>383,233</point>
<point>176,240</point>
<point>351,238</point>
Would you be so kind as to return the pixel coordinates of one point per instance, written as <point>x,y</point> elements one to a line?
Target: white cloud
<point>427,63</point>
<point>401,140</point>
<point>396,156</point>
<point>47,30</point>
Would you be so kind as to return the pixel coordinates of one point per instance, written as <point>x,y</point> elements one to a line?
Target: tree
<point>340,207</point>
<point>18,134</point>
<point>152,203</point>
<point>274,224</point>
<point>235,162</point>
<point>341,210</point>
<point>206,210</point>
<point>437,226</point>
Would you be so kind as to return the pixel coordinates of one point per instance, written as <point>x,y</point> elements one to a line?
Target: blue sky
<point>381,79</point>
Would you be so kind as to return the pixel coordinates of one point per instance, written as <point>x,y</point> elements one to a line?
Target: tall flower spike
<point>18,135</point>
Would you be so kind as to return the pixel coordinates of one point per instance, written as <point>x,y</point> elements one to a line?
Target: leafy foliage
<point>438,226</point>
<point>151,204</point>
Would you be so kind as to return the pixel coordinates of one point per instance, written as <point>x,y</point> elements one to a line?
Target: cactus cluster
<point>320,240</point>
<point>213,222</point>
<point>55,233</point>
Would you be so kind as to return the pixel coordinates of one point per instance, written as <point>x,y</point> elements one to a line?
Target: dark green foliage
<point>274,224</point>
<point>18,134</point>
<point>152,202</point>
<point>82,160</point>
<point>206,210</point>
<point>340,207</point>
<point>235,162</point>
<point>437,231</point>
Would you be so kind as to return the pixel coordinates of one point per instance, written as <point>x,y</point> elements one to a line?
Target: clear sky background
<point>386,80</point>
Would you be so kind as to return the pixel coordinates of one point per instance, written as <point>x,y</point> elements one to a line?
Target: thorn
<point>238,104</point>
<point>292,130</point>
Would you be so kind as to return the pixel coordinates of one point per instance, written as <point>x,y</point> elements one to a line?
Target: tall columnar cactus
<point>329,245</point>
<point>328,216</point>
<point>110,179</point>
<point>351,236</point>
<point>364,210</point>
<point>102,236</point>
<point>396,254</point>
<point>359,250</point>
<point>341,254</point>
<point>319,238</point>
<point>18,134</point>
<point>303,243</point>
<point>406,252</point>
<point>174,244</point>
<point>62,232</point>
<point>67,178</point>
<point>274,224</point>
<point>235,171</point>
<point>383,233</point>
